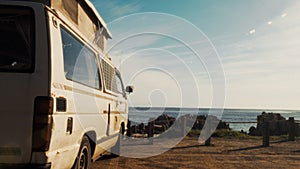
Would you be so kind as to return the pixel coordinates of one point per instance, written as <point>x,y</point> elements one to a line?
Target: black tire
<point>83,158</point>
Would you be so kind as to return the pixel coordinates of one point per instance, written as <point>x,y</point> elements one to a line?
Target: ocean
<point>238,119</point>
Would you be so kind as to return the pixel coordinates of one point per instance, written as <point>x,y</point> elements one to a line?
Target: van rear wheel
<point>83,158</point>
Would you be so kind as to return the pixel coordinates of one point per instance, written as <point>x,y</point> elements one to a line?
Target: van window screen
<point>17,44</point>
<point>80,64</point>
<point>109,73</point>
<point>112,78</point>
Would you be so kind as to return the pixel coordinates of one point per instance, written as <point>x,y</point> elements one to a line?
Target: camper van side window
<point>119,84</point>
<point>79,61</point>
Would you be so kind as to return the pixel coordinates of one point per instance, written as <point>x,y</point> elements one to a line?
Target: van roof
<point>90,6</point>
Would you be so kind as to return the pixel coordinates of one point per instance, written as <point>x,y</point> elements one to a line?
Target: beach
<point>227,152</point>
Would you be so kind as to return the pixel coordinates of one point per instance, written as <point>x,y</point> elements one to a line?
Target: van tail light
<point>42,123</point>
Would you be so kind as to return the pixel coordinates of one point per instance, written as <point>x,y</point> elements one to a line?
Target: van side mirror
<point>129,89</point>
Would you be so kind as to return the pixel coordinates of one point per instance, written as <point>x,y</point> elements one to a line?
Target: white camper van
<point>62,103</point>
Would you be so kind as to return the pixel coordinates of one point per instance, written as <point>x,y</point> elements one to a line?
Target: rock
<point>278,125</point>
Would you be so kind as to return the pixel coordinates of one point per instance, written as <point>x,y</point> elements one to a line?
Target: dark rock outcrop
<point>278,125</point>
<point>164,122</point>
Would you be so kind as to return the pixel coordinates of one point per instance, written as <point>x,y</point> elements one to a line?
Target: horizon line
<point>225,108</point>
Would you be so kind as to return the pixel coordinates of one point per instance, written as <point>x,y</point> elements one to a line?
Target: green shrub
<point>228,133</point>
<point>221,133</point>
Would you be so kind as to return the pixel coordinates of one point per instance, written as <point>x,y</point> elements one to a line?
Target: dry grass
<point>225,153</point>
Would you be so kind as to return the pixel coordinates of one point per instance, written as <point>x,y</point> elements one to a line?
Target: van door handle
<point>70,125</point>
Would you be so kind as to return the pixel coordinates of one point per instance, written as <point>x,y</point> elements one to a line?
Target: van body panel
<point>18,91</point>
<point>91,109</point>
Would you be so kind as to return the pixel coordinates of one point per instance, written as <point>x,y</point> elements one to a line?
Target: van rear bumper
<point>26,166</point>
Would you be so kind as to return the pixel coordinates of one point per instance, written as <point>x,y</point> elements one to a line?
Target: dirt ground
<point>224,153</point>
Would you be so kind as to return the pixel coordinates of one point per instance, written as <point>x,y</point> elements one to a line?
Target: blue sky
<point>257,42</point>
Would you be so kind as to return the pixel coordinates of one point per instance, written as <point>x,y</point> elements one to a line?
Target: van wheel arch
<point>91,135</point>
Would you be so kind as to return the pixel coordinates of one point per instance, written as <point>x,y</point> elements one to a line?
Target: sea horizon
<point>227,108</point>
<point>238,119</point>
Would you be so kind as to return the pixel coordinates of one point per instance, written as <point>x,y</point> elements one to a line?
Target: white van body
<point>57,87</point>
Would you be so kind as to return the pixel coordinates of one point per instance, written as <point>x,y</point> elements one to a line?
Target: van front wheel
<point>83,158</point>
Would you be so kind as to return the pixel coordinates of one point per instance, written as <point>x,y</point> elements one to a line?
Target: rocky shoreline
<point>278,125</point>
<point>164,122</point>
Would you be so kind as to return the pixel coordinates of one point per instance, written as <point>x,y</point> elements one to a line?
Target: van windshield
<point>17,39</point>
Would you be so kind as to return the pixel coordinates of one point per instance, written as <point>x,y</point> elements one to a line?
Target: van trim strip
<point>104,139</point>
<point>113,112</point>
<point>68,88</point>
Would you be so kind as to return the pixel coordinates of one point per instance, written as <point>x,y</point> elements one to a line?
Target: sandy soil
<point>225,153</point>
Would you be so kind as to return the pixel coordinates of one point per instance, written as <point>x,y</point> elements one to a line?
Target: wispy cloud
<point>284,15</point>
<point>275,45</point>
<point>252,31</point>
<point>266,63</point>
<point>116,9</point>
